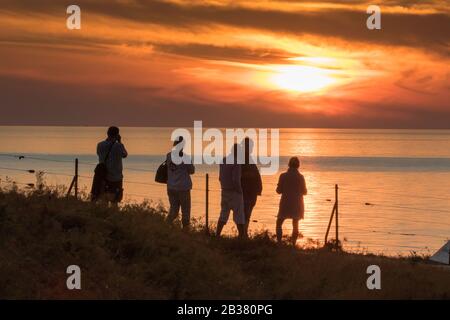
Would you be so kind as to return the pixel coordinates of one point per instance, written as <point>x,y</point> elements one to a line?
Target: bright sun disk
<point>301,78</point>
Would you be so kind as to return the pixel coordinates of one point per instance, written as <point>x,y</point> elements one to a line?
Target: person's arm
<point>259,181</point>
<point>123,150</point>
<point>236,177</point>
<point>98,151</point>
<point>280,185</point>
<point>303,189</point>
<point>190,167</point>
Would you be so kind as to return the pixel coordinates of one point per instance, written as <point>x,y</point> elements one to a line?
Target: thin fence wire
<point>344,190</point>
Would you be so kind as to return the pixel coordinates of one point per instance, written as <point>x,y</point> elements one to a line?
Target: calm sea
<point>393,184</point>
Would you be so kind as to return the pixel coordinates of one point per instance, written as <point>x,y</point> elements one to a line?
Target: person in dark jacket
<point>251,182</point>
<point>292,187</point>
<point>111,152</point>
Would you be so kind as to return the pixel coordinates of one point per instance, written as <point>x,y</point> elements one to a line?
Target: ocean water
<point>393,184</point>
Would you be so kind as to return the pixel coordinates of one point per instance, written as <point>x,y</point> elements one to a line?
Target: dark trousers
<point>249,204</point>
<point>177,200</point>
<point>115,188</point>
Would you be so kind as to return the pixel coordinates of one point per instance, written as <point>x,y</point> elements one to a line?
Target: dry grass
<point>132,253</point>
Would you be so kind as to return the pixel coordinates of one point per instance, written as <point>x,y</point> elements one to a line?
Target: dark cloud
<point>414,3</point>
<point>32,102</point>
<point>427,31</point>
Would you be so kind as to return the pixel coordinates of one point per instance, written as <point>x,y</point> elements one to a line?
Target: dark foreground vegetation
<point>132,253</point>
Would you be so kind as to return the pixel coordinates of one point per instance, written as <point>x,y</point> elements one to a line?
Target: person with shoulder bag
<point>179,184</point>
<point>108,177</point>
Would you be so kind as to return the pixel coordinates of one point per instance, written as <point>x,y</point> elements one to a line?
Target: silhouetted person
<point>232,198</point>
<point>251,182</point>
<point>179,185</point>
<point>111,152</point>
<point>292,187</point>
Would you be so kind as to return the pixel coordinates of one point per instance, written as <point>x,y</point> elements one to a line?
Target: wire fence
<point>345,191</point>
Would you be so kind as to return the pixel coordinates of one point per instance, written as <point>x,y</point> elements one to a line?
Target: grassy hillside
<point>132,253</point>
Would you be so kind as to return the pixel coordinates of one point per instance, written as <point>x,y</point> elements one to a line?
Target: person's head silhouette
<point>248,149</point>
<point>177,141</point>
<point>113,133</point>
<point>294,163</point>
<point>236,153</point>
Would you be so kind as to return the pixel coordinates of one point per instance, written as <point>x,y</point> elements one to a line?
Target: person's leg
<point>224,212</point>
<point>279,229</point>
<point>220,225</point>
<point>294,231</point>
<point>238,214</point>
<point>113,192</point>
<point>185,201</point>
<point>249,204</point>
<point>174,202</point>
<point>118,191</point>
<point>241,231</point>
<point>247,213</point>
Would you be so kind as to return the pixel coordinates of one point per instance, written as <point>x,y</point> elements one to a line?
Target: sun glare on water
<point>301,78</point>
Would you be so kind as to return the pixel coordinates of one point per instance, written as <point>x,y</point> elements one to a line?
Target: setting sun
<point>301,78</point>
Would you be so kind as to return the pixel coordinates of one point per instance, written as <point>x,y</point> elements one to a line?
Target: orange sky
<point>228,63</point>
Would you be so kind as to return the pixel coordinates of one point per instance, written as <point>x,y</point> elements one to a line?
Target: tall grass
<point>131,252</point>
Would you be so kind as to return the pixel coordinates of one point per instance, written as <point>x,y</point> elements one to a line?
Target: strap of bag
<point>109,151</point>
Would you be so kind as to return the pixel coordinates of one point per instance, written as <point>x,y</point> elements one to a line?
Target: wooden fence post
<point>74,183</point>
<point>335,215</point>
<point>76,178</point>
<point>207,204</point>
<point>336,196</point>
<point>329,223</point>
